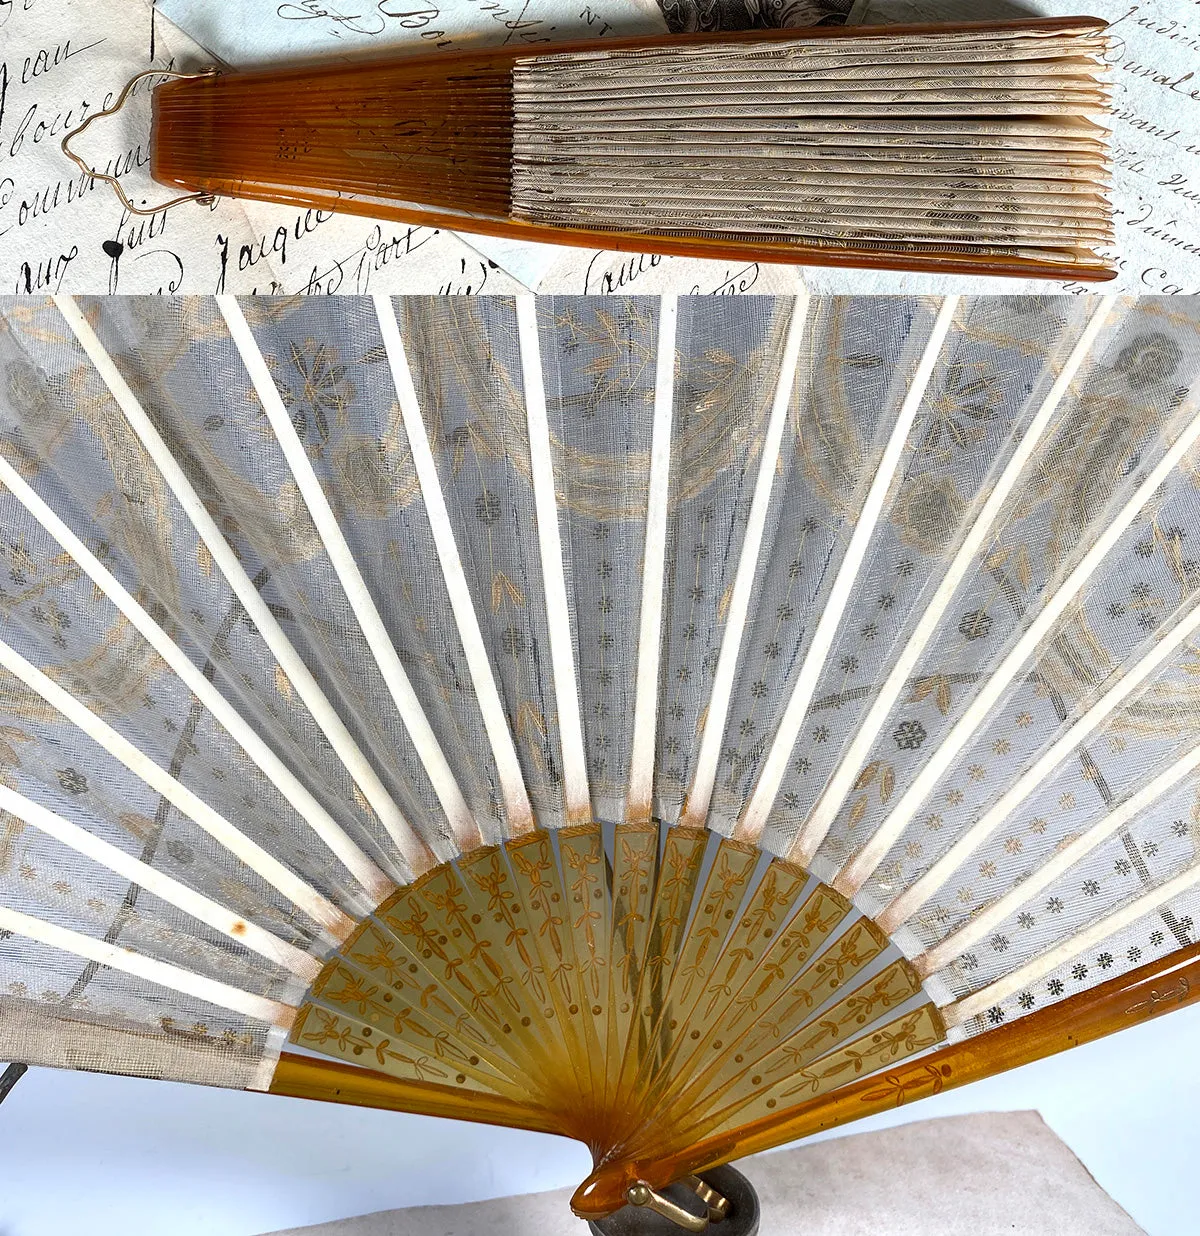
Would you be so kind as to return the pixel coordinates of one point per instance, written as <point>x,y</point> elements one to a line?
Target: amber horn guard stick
<point>1151,990</point>
<point>302,1077</point>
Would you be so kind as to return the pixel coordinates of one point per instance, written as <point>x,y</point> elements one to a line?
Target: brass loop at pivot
<point>718,1206</point>
<point>112,110</point>
<point>641,1194</point>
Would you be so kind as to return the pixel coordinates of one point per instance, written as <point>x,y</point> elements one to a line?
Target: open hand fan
<point>678,725</point>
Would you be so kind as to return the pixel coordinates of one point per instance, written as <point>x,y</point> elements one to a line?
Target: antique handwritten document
<point>63,60</point>
<point>241,32</point>
<point>60,231</point>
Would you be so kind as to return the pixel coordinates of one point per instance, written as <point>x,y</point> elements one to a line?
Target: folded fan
<point>678,725</point>
<point>978,147</point>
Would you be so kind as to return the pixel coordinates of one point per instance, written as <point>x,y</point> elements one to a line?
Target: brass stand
<point>723,1203</point>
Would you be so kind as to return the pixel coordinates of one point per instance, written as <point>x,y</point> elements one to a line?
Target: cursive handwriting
<point>45,274</point>
<point>627,272</point>
<point>734,283</point>
<point>387,14</point>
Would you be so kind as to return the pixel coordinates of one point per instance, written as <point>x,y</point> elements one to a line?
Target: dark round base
<point>742,1219</point>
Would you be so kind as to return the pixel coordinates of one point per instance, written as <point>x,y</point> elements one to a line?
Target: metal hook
<point>718,1206</point>
<point>112,110</point>
<point>641,1194</point>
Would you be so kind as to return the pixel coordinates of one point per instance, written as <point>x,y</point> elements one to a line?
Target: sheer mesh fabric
<point>1116,423</point>
<point>470,382</point>
<point>727,378</point>
<point>598,361</point>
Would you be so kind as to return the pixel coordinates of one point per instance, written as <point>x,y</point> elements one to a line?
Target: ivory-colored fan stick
<point>837,790</point>
<point>319,908</point>
<point>860,868</point>
<point>978,926</point>
<point>1095,933</point>
<point>160,973</point>
<point>376,884</point>
<point>366,613</point>
<point>412,849</point>
<point>921,890</point>
<point>640,802</point>
<point>237,928</point>
<point>576,794</point>
<point>518,812</point>
<point>699,796</point>
<point>754,817</point>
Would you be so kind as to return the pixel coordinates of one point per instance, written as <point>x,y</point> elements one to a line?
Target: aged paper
<point>580,272</point>
<point>1156,137</point>
<point>60,231</point>
<point>242,32</point>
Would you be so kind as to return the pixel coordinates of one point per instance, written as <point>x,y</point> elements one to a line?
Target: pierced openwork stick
<point>1141,995</point>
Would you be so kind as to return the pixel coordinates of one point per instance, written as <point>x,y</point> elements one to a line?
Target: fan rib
<point>537,878</point>
<point>659,942</point>
<point>329,1081</point>
<point>757,949</point>
<point>860,868</point>
<point>696,1102</point>
<point>640,798</point>
<point>446,1009</point>
<point>413,849</point>
<point>785,981</point>
<point>758,809</point>
<point>839,786</point>
<point>517,808</point>
<point>374,881</point>
<point>715,902</point>
<point>980,924</point>
<point>812,1059</point>
<point>921,890</point>
<point>978,1002</point>
<point>633,888</point>
<point>1152,990</point>
<point>576,793</point>
<point>291,958</point>
<point>699,796</point>
<point>316,906</point>
<point>462,823</point>
<point>138,964</point>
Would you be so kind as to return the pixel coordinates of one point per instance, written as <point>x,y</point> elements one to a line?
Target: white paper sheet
<point>1156,137</point>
